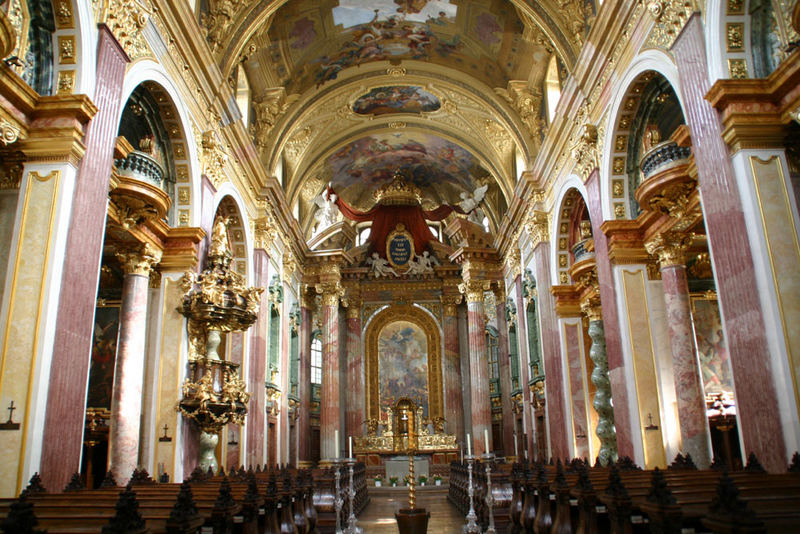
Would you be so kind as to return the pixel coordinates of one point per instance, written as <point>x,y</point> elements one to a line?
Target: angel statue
<point>328,212</point>
<point>470,203</point>
<point>379,266</point>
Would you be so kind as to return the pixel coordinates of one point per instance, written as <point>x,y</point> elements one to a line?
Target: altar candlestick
<point>486,441</point>
<point>469,445</point>
<point>336,442</point>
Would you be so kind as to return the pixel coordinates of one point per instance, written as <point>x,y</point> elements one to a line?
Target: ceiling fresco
<point>396,99</point>
<point>313,41</point>
<point>440,168</point>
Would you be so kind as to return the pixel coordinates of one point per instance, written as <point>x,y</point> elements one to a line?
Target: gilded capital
<point>331,292</point>
<point>353,307</point>
<point>512,259</point>
<point>474,289</point>
<point>264,233</point>
<point>590,306</point>
<point>499,292</point>
<point>538,227</point>
<point>139,262</point>
<point>450,304</point>
<point>670,247</point>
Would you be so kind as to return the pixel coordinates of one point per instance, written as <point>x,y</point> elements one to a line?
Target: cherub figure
<point>380,266</point>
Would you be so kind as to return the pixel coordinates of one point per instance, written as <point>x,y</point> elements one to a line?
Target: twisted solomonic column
<point>602,396</point>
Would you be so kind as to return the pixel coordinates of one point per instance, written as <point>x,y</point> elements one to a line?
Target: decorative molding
<point>670,18</point>
<point>126,19</point>
<point>8,133</point>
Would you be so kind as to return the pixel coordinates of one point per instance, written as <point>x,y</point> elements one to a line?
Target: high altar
<point>404,418</point>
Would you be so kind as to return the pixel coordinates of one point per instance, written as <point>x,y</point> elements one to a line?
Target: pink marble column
<point>551,354</point>
<point>126,399</point>
<point>233,433</point>
<point>62,440</point>
<point>304,385</point>
<point>695,434</point>
<point>505,373</point>
<point>256,374</point>
<point>479,370</point>
<point>453,400</point>
<point>354,410</point>
<point>329,417</point>
<point>574,356</point>
<point>745,332</point>
<point>616,368</point>
<point>526,440</point>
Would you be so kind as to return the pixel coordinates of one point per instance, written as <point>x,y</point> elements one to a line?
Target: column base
<point>412,521</point>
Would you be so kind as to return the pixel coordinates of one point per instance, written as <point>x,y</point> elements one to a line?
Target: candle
<point>336,443</point>
<point>486,441</point>
<point>516,451</point>
<point>351,447</point>
<point>526,454</point>
<point>469,445</point>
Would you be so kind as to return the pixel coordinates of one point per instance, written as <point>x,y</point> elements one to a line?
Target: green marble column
<point>602,396</point>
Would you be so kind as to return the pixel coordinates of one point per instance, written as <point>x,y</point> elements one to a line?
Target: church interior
<point>268,246</point>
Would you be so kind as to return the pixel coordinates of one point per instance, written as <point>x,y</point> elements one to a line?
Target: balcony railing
<point>141,166</point>
<point>663,154</point>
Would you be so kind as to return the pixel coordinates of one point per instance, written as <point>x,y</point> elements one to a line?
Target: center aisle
<point>378,517</point>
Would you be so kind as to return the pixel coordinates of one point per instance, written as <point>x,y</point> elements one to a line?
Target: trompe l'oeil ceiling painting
<point>396,99</point>
<point>440,168</point>
<point>316,40</point>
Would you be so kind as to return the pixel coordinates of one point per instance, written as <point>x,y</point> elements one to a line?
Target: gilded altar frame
<point>412,314</point>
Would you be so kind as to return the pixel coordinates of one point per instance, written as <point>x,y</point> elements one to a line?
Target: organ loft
<point>496,258</point>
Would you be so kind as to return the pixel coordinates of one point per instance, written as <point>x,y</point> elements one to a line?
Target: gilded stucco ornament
<point>268,108</point>
<point>218,19</point>
<point>537,224</point>
<point>213,157</point>
<point>474,290</point>
<point>670,17</point>
<point>140,261</point>
<point>527,103</point>
<point>670,247</point>
<point>8,133</point>
<point>126,19</point>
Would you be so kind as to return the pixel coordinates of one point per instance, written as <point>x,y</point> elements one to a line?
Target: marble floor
<point>378,517</point>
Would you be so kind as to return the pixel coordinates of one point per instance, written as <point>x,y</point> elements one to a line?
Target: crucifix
<point>10,425</point>
<point>165,437</point>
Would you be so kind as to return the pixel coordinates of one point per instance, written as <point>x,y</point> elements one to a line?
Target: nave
<point>378,516</point>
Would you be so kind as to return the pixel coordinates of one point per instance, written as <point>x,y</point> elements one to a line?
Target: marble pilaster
<point>62,439</point>
<point>330,392</point>
<point>573,355</point>
<point>255,425</point>
<point>304,384</point>
<point>526,440</point>
<point>355,401</point>
<point>695,434</point>
<point>481,407</point>
<point>745,331</point>
<point>551,353</point>
<point>126,400</point>
<point>453,400</point>
<point>505,373</point>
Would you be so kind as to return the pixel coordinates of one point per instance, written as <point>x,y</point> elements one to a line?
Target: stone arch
<point>649,102</point>
<point>423,319</point>
<point>177,122</point>
<point>571,202</point>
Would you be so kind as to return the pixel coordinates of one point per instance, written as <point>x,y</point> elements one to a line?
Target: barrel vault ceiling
<point>348,91</point>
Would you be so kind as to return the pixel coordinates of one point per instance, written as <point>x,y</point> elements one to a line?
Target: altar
<point>397,467</point>
<point>406,429</point>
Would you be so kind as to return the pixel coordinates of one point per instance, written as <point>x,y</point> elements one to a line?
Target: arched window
<point>552,88</point>
<point>513,345</point>
<point>275,298</point>
<point>243,95</point>
<point>316,358</point>
<point>492,352</point>
<point>363,233</point>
